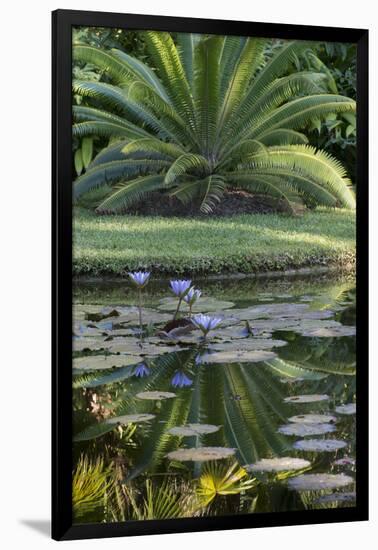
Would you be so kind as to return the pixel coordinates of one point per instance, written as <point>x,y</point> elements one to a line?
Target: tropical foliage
<point>217,114</point>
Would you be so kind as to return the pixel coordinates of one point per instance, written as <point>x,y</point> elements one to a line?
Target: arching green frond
<point>187,163</point>
<point>130,193</point>
<point>252,110</point>
<point>207,192</point>
<point>171,72</point>
<point>104,60</point>
<point>211,190</point>
<point>144,72</point>
<point>320,66</point>
<point>186,47</point>
<point>168,117</point>
<point>265,184</point>
<point>297,113</point>
<point>109,95</point>
<point>249,60</point>
<point>98,128</point>
<point>231,49</point>
<point>307,161</point>
<point>283,137</point>
<point>145,146</point>
<point>116,99</point>
<point>277,65</point>
<point>110,153</point>
<point>111,172</point>
<point>206,91</point>
<point>240,150</point>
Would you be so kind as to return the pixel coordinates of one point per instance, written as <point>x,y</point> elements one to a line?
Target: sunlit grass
<point>242,243</point>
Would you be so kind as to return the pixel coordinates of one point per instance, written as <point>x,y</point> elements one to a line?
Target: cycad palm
<point>216,116</point>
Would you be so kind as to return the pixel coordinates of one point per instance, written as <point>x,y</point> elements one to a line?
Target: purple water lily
<point>181,289</point>
<point>140,278</point>
<point>206,323</point>
<point>191,297</point>
<point>180,380</point>
<point>141,370</point>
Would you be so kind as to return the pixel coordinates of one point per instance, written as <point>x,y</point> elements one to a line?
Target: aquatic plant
<point>180,288</point>
<point>191,298</point>
<point>140,279</point>
<point>206,323</point>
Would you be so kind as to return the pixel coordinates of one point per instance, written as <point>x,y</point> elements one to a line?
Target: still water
<point>257,417</point>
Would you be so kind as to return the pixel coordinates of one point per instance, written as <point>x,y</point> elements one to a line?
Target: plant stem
<point>190,311</point>
<point>140,314</point>
<point>177,309</point>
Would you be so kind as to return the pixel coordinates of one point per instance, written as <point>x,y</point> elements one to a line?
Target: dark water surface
<point>259,417</point>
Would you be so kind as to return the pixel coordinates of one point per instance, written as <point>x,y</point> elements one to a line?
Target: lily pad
<point>193,429</point>
<point>313,418</point>
<point>282,464</point>
<point>303,429</point>
<point>317,482</point>
<point>92,344</point>
<point>235,356</point>
<point>348,409</point>
<point>319,445</point>
<point>314,398</point>
<point>101,362</point>
<point>345,461</point>
<point>155,395</point>
<point>201,454</point>
<point>130,418</point>
<point>247,344</point>
<point>133,346</point>
<point>343,330</point>
<point>336,497</point>
<point>203,304</point>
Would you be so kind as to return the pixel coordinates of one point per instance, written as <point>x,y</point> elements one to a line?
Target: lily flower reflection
<point>206,323</point>
<point>180,380</point>
<point>140,278</point>
<point>141,370</point>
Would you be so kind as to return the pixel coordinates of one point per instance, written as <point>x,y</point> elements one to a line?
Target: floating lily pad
<point>345,461</point>
<point>282,464</point>
<point>235,356</point>
<point>303,429</point>
<point>317,482</point>
<point>203,304</point>
<point>201,454</point>
<point>314,398</point>
<point>92,344</point>
<point>133,346</point>
<point>336,497</point>
<point>193,429</point>
<point>269,311</point>
<point>348,409</point>
<point>100,362</point>
<point>319,445</point>
<point>313,418</point>
<point>247,344</point>
<point>155,395</point>
<point>343,330</point>
<point>130,418</point>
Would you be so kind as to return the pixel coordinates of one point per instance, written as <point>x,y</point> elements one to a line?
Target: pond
<point>258,416</point>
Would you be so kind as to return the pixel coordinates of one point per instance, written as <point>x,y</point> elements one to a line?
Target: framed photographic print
<point>210,274</point>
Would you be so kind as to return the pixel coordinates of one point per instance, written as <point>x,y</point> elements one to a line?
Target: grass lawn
<point>113,245</point>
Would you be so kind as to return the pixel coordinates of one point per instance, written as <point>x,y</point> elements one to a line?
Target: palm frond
<point>187,163</point>
<point>130,193</point>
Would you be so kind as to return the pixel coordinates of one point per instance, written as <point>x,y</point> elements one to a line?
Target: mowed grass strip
<point>113,245</point>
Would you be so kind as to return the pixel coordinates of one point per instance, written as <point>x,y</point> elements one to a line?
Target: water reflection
<point>256,417</point>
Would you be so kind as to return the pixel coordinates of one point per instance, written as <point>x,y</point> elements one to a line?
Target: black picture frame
<point>62,23</point>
